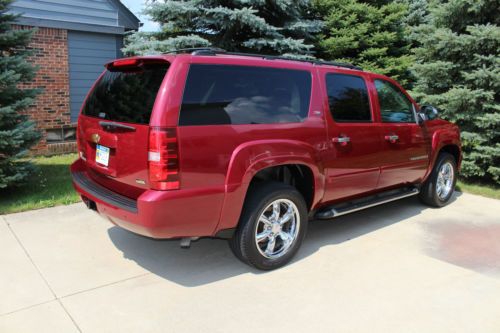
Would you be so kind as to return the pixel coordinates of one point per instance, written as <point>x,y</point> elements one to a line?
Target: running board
<point>363,203</point>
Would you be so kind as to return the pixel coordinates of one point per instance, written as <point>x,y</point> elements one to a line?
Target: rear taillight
<point>163,158</point>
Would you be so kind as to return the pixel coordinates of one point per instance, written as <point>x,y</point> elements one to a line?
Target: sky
<point>135,6</point>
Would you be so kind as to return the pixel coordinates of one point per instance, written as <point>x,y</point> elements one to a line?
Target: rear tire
<point>438,189</point>
<point>272,226</point>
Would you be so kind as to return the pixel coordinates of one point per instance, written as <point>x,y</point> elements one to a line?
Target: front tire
<point>439,187</point>
<point>272,226</point>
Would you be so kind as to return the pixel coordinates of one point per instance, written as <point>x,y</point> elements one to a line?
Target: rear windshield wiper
<point>111,124</point>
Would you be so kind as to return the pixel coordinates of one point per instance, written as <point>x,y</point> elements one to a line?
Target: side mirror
<point>421,117</point>
<point>429,111</point>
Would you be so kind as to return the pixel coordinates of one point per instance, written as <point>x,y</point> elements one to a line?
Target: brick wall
<point>52,108</point>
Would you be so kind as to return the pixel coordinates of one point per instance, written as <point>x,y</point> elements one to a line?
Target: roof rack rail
<point>338,64</point>
<point>199,50</point>
<point>212,51</point>
<point>312,61</point>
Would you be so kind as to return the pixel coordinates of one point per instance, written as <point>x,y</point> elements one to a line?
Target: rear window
<point>221,94</point>
<point>126,96</point>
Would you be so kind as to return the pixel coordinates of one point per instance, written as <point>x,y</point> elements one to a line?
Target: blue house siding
<point>99,12</point>
<point>85,35</point>
<point>87,53</point>
<point>95,35</point>
<point>104,16</point>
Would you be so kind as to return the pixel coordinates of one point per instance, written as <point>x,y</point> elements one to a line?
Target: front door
<point>352,157</point>
<point>405,155</point>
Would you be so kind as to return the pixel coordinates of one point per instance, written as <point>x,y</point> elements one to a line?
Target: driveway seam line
<point>69,315</point>
<point>26,308</point>
<point>72,294</point>
<point>31,260</point>
<point>105,285</point>
<point>41,275</point>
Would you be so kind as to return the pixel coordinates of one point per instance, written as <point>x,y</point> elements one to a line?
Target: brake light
<point>125,62</point>
<point>163,158</point>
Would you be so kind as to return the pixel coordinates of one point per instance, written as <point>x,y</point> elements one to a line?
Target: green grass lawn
<point>479,189</point>
<point>49,186</point>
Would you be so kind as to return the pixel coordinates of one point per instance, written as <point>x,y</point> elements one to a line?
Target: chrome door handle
<point>392,138</point>
<point>343,140</point>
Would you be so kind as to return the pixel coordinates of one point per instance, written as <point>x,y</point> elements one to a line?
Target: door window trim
<point>415,115</point>
<point>370,104</point>
<point>414,112</point>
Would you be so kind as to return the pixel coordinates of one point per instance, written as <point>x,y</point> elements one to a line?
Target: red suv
<point>208,143</point>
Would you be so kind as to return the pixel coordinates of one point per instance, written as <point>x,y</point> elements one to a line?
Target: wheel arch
<point>453,150</point>
<point>445,140</point>
<point>259,160</point>
<point>298,175</point>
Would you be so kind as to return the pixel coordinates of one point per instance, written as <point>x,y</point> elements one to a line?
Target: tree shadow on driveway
<point>211,260</point>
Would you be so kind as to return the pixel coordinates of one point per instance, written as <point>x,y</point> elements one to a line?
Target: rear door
<point>405,154</point>
<point>113,126</point>
<point>352,161</point>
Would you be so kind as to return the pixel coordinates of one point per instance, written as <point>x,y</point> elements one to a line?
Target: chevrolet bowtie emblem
<point>95,138</point>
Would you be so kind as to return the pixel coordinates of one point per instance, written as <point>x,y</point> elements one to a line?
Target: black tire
<point>260,196</point>
<point>428,192</point>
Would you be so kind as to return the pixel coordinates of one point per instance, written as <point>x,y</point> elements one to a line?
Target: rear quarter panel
<point>224,158</point>
<point>248,158</point>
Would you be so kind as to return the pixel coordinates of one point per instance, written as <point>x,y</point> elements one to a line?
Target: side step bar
<point>363,203</point>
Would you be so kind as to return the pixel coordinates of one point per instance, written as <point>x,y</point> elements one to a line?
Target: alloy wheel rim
<point>445,179</point>
<point>277,228</point>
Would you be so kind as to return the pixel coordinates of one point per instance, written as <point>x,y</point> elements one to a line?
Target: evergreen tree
<point>458,70</point>
<point>367,33</point>
<point>17,134</point>
<point>258,26</point>
<point>417,12</point>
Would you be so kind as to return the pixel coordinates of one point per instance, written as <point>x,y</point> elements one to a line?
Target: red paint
<point>216,163</point>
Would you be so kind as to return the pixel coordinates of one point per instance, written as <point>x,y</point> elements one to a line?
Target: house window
<point>64,134</point>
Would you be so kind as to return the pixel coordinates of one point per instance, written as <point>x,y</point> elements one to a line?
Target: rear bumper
<point>155,214</point>
<point>82,181</point>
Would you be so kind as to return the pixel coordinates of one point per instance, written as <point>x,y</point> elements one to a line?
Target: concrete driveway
<point>401,267</point>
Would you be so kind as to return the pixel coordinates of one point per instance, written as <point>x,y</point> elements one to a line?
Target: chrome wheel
<point>277,228</point>
<point>445,179</point>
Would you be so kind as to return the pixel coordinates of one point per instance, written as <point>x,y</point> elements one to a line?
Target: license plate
<point>102,155</point>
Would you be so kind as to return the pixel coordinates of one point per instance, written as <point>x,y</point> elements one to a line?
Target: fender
<point>440,138</point>
<point>251,157</point>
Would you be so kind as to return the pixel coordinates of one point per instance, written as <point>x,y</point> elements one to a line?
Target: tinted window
<point>126,96</point>
<point>348,98</point>
<point>220,94</point>
<point>394,105</point>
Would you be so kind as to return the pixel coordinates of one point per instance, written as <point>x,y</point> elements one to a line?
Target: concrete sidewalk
<point>401,267</point>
